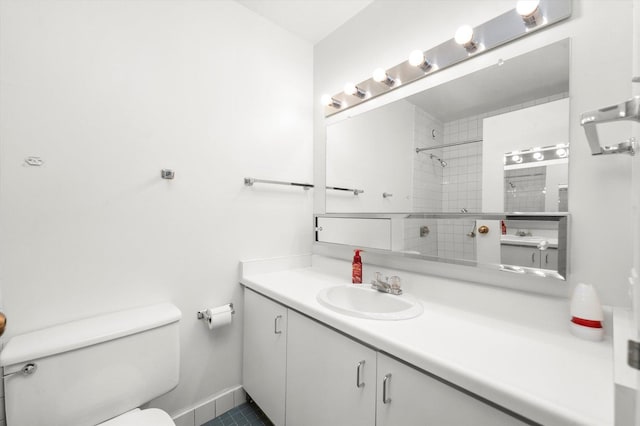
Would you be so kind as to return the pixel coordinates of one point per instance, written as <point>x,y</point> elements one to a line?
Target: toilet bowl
<point>97,370</point>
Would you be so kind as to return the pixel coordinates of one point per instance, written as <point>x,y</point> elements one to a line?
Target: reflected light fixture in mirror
<point>526,17</point>
<point>555,153</point>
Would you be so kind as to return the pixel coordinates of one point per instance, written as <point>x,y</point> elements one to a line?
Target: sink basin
<point>362,301</point>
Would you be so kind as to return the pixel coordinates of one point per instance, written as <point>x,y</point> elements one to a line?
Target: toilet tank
<point>91,370</point>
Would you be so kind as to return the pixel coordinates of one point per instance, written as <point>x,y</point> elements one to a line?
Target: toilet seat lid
<point>138,417</point>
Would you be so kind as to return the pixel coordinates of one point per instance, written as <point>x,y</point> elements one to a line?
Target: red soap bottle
<point>356,268</point>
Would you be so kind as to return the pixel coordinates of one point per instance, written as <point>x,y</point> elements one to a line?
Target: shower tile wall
<point>427,184</point>
<point>461,186</point>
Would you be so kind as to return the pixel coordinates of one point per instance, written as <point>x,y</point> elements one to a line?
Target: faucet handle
<point>395,282</point>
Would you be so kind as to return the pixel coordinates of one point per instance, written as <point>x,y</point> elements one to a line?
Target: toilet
<point>93,371</point>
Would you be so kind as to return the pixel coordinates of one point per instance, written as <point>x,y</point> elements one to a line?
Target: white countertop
<point>509,347</point>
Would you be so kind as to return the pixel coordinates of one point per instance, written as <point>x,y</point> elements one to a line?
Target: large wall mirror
<point>493,141</point>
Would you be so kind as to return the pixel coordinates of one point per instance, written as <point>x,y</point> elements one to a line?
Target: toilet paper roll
<point>218,317</point>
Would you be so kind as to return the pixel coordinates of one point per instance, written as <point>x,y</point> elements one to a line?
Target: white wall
<point>108,93</point>
<point>384,33</point>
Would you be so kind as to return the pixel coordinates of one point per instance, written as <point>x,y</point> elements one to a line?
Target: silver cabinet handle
<point>275,325</point>
<point>546,259</point>
<point>358,370</point>
<point>385,384</point>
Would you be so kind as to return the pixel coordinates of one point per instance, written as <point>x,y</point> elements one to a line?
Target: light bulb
<point>353,90</point>
<point>464,35</point>
<point>529,10</point>
<point>538,156</point>
<point>416,58</point>
<point>526,8</point>
<point>561,152</point>
<point>516,159</point>
<point>350,88</point>
<point>379,75</point>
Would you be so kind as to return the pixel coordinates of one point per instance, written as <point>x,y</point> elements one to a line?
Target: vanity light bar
<point>526,17</point>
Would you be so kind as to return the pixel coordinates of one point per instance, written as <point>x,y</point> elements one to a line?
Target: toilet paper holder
<point>205,315</point>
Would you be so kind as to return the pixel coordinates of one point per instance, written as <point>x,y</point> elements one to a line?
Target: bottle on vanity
<point>356,268</point>
<point>586,313</point>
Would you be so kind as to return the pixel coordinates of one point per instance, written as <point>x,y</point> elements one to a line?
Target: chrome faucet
<point>387,285</point>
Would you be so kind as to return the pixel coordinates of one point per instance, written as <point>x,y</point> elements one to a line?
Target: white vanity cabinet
<point>331,379</point>
<point>528,256</point>
<point>265,354</point>
<point>324,377</point>
<point>407,396</point>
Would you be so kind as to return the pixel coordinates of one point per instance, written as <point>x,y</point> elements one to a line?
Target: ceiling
<point>312,20</point>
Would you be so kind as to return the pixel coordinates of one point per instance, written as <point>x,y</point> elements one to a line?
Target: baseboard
<point>212,407</point>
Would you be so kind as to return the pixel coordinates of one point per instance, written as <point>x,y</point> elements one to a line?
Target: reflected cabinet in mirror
<point>434,164</point>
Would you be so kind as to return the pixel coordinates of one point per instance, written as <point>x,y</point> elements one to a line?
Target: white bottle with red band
<point>586,313</point>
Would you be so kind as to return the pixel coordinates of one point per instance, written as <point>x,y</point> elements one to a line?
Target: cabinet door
<point>331,379</point>
<point>265,354</point>
<point>407,396</point>
<point>519,256</point>
<point>549,259</point>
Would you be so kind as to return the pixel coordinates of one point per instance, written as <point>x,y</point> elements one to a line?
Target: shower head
<point>441,161</point>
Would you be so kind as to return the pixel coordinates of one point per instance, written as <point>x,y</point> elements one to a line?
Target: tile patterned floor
<point>247,414</point>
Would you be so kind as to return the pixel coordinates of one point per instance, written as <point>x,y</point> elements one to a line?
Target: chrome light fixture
<point>353,90</point>
<point>528,16</point>
<point>464,37</point>
<point>417,59</point>
<point>381,76</point>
